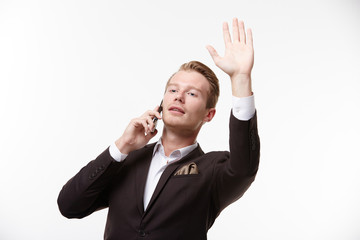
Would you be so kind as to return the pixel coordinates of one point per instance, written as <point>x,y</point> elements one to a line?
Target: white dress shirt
<point>243,109</point>
<point>158,164</point>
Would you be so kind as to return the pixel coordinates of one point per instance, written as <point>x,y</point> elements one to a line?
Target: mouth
<point>176,110</point>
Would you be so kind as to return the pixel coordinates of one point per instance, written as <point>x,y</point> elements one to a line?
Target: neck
<point>172,140</point>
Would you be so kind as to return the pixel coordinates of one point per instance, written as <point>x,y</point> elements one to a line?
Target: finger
<point>158,115</point>
<point>213,53</point>
<point>139,124</point>
<point>235,25</point>
<point>156,112</point>
<point>142,122</point>
<point>145,125</point>
<point>151,113</point>
<point>242,32</point>
<point>226,34</point>
<point>249,37</point>
<point>150,123</point>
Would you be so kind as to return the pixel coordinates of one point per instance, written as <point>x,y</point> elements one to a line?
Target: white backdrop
<point>73,73</point>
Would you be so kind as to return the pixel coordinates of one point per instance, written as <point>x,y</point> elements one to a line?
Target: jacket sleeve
<point>235,172</point>
<point>86,192</point>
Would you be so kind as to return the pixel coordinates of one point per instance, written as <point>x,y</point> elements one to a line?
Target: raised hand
<point>139,132</point>
<point>238,60</point>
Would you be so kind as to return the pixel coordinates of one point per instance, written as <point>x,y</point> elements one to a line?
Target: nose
<point>179,97</point>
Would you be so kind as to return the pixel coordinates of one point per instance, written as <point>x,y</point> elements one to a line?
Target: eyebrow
<point>191,87</point>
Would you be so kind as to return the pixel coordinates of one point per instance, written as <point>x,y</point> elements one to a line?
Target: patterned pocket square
<point>190,168</point>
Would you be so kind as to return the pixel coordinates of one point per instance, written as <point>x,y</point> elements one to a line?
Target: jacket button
<point>142,233</point>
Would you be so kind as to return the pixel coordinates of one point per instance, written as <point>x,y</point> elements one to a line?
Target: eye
<point>172,90</point>
<point>191,94</point>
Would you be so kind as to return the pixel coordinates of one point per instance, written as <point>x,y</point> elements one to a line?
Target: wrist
<point>241,77</point>
<point>122,146</point>
<point>241,85</point>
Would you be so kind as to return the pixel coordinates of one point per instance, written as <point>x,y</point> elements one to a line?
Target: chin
<point>174,123</point>
<point>180,125</point>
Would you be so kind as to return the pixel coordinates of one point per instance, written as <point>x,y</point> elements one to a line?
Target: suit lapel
<point>143,158</point>
<point>169,171</point>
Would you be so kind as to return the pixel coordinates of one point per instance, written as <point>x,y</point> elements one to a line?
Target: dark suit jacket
<point>182,206</point>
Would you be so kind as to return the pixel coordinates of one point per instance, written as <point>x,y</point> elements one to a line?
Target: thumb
<point>213,52</point>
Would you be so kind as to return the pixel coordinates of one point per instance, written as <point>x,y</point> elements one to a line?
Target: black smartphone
<point>155,119</point>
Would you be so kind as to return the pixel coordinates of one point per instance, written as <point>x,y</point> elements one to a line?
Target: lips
<point>176,109</point>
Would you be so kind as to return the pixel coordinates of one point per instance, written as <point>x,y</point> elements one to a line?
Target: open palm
<point>239,52</point>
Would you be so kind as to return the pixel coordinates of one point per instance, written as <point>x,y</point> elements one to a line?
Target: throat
<point>173,141</point>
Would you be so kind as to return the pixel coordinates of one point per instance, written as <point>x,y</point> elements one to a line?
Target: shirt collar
<point>178,153</point>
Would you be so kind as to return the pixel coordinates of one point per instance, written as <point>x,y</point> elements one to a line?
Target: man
<point>171,189</point>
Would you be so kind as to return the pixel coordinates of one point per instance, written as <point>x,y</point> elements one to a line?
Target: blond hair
<point>214,90</point>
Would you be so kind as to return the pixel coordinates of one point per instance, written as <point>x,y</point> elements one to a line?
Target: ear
<point>210,114</point>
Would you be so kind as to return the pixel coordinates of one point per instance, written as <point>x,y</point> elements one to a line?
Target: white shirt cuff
<point>116,154</point>
<point>243,108</point>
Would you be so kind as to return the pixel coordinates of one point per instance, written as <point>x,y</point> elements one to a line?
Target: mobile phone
<point>155,119</point>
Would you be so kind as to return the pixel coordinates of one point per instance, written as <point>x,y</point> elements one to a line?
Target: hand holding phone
<point>138,133</point>
<point>155,119</point>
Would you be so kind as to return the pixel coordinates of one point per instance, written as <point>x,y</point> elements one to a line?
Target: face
<point>184,104</point>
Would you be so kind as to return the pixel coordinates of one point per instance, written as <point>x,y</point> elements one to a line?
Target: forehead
<point>190,79</point>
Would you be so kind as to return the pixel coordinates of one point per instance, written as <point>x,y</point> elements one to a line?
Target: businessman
<point>171,189</point>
